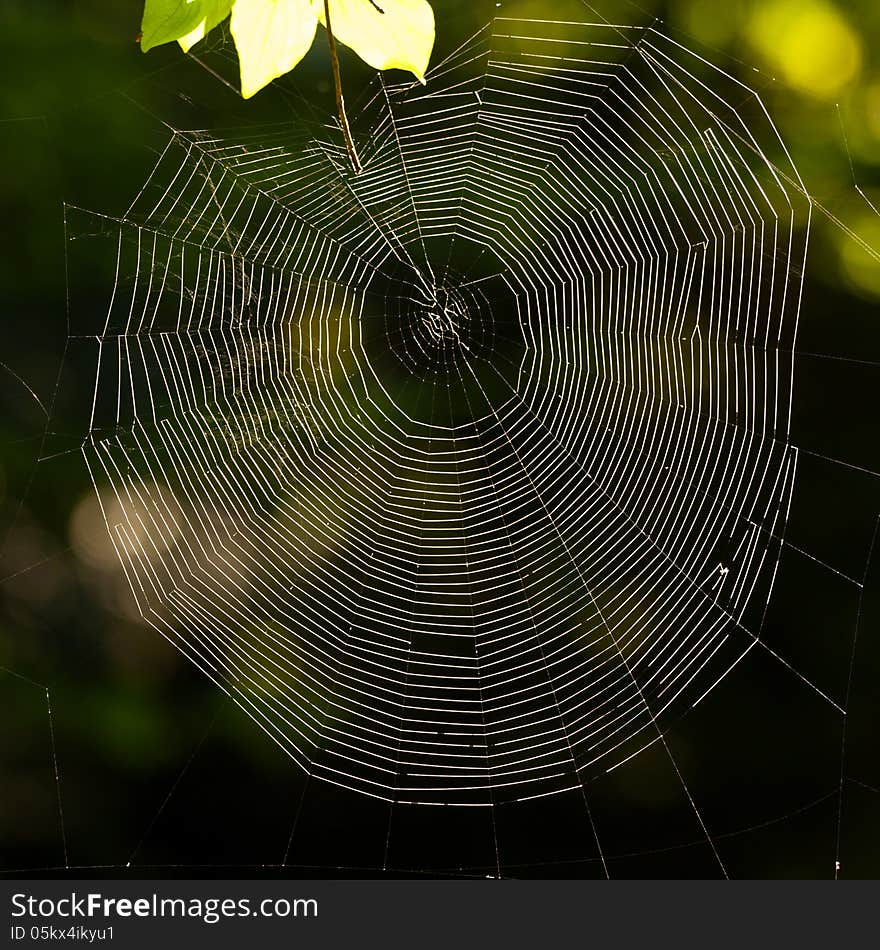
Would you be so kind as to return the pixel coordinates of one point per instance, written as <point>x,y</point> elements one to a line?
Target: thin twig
<point>340,102</point>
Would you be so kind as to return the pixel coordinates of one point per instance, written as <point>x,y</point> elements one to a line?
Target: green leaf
<point>272,36</point>
<point>215,12</point>
<point>387,34</point>
<point>187,21</point>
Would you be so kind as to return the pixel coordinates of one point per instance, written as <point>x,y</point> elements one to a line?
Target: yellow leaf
<point>271,36</point>
<point>387,34</point>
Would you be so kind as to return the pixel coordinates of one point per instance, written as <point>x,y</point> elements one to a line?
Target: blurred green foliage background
<point>83,114</point>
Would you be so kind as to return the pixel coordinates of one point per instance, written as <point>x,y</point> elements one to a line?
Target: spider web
<point>461,473</point>
<point>466,475</point>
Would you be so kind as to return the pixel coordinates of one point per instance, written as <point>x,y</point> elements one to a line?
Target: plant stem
<point>340,101</point>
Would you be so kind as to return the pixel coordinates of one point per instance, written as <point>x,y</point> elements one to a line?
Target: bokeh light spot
<point>809,42</point>
<point>860,268</point>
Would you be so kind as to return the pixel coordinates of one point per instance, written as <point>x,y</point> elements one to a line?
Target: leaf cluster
<point>272,36</point>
